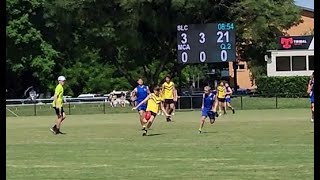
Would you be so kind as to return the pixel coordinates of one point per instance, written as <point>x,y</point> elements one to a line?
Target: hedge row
<point>294,86</point>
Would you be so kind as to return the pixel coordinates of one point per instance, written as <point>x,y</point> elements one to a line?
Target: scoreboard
<point>206,43</point>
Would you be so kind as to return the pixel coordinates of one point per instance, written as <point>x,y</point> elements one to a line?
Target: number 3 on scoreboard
<point>202,38</point>
<point>184,38</point>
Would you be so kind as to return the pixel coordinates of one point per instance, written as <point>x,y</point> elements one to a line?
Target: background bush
<point>295,86</point>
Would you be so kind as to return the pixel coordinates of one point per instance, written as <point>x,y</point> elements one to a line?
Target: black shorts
<point>57,111</point>
<point>168,101</point>
<point>222,100</point>
<point>153,114</point>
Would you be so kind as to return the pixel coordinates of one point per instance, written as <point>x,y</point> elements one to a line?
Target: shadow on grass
<point>209,132</point>
<point>155,134</point>
<point>62,133</point>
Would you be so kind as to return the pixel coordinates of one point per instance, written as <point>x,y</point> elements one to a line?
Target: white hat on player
<point>61,78</point>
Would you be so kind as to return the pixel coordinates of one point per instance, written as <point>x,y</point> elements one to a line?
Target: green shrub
<point>293,86</point>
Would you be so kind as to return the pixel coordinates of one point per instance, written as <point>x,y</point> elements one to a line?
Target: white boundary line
<point>12,112</point>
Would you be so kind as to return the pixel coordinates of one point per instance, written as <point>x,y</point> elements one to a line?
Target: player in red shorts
<point>153,102</point>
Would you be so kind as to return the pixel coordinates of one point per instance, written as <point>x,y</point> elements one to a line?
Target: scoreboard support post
<point>180,80</point>
<point>235,79</point>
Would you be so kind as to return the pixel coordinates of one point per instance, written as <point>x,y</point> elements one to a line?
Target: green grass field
<point>250,145</point>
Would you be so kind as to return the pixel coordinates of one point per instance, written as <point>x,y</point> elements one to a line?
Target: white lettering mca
<point>183,47</point>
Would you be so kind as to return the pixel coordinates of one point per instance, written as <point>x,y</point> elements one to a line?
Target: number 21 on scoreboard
<point>223,37</point>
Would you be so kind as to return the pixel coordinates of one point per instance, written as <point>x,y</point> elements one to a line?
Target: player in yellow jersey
<point>221,94</point>
<point>169,95</point>
<point>57,104</point>
<point>154,101</point>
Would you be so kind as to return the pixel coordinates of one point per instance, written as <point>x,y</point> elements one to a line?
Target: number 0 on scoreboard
<point>200,43</point>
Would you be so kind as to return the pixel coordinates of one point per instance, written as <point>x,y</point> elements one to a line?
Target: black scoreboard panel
<point>206,43</point>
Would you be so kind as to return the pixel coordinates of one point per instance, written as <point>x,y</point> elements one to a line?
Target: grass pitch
<point>252,144</point>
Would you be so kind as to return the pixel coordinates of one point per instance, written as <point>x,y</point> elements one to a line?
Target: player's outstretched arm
<point>215,104</point>
<point>133,93</point>
<point>174,91</point>
<point>142,102</point>
<point>148,90</point>
<point>202,102</point>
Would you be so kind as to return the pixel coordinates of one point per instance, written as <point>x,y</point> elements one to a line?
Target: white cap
<point>61,78</point>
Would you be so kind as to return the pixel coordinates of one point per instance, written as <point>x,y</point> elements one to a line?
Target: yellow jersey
<point>59,93</point>
<point>153,103</point>
<point>221,90</point>
<point>168,90</point>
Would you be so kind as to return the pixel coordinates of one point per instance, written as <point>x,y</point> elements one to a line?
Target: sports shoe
<point>53,130</point>
<point>59,132</point>
<point>199,131</point>
<point>312,120</point>
<point>168,120</point>
<point>144,133</point>
<point>233,111</point>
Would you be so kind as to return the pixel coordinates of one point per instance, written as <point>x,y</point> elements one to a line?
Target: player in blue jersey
<point>310,92</point>
<point>228,97</point>
<point>140,93</point>
<point>209,106</point>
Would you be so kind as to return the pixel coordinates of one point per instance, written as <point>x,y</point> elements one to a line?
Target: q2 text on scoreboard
<point>206,43</point>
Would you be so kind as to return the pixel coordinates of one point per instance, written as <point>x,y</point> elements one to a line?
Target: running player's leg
<point>219,106</point>
<point>141,111</point>
<point>204,115</point>
<point>174,107</point>
<point>56,127</point>
<point>148,125</point>
<point>312,108</point>
<point>151,120</point>
<point>167,104</point>
<point>212,116</point>
<point>62,117</point>
<point>202,120</point>
<point>228,102</point>
<point>224,106</point>
<point>141,116</point>
<point>312,111</point>
<point>171,107</point>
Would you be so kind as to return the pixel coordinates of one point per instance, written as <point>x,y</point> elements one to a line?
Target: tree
<point>259,24</point>
<point>30,58</point>
<point>104,45</point>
